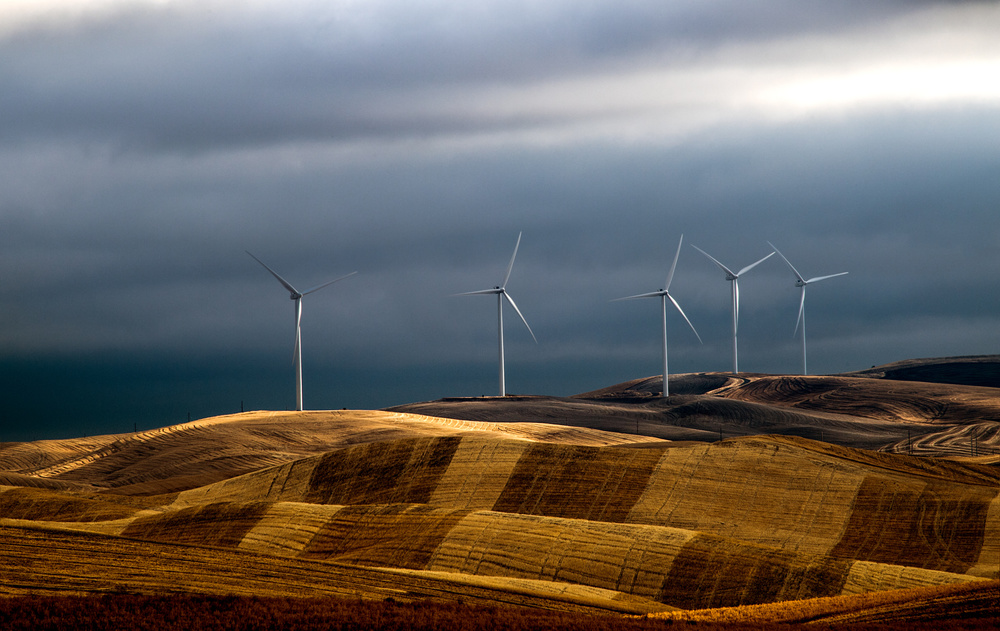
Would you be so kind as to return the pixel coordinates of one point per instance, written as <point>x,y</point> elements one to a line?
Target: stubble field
<point>844,499</point>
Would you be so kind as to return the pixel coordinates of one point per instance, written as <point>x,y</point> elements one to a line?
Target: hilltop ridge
<point>866,410</point>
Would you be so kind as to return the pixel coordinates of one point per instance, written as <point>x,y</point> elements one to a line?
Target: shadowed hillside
<point>677,418</point>
<point>976,370</point>
<point>866,412</point>
<point>883,400</point>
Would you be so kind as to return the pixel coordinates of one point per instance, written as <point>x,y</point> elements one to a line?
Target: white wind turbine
<point>296,295</point>
<point>501,293</point>
<point>734,277</point>
<point>663,294</point>
<point>801,282</point>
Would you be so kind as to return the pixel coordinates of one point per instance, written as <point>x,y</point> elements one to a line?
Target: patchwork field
<point>528,504</point>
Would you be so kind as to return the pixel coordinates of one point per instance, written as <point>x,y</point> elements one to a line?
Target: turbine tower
<point>663,295</point>
<point>501,293</point>
<point>734,278</point>
<point>296,296</point>
<point>801,283</point>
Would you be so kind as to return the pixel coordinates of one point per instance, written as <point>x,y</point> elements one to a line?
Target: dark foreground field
<point>156,613</point>
<point>209,613</point>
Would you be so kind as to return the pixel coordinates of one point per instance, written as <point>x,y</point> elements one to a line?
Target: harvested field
<point>867,410</point>
<point>523,511</point>
<point>672,527</point>
<point>886,400</point>
<point>907,608</point>
<point>679,418</point>
<point>193,454</point>
<point>51,562</point>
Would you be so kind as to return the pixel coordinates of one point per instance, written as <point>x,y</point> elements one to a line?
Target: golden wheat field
<point>610,502</point>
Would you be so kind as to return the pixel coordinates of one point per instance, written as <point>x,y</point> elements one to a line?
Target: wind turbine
<point>501,293</point>
<point>801,282</point>
<point>734,278</point>
<point>296,295</point>
<point>663,294</point>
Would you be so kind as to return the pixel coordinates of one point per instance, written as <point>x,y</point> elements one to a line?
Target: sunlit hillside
<point>525,509</point>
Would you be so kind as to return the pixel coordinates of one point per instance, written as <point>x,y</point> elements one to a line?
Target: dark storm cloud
<point>144,149</point>
<point>207,77</point>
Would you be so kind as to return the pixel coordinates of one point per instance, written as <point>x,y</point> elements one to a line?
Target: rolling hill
<point>542,502</point>
<point>884,408</point>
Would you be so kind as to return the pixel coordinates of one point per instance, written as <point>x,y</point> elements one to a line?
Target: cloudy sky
<point>145,145</point>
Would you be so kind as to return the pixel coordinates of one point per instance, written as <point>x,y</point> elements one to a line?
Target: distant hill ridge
<point>865,410</point>
<point>970,370</point>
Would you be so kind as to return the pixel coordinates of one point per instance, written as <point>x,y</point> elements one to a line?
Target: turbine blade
<point>511,301</point>
<point>794,271</point>
<point>819,278</point>
<point>750,267</point>
<point>673,266</point>
<point>714,260</point>
<point>510,265</point>
<point>481,291</point>
<point>676,304</point>
<point>652,294</point>
<point>281,280</point>
<point>328,283</point>
<point>802,308</point>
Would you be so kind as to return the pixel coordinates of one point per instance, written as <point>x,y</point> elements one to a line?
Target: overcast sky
<point>145,145</point>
